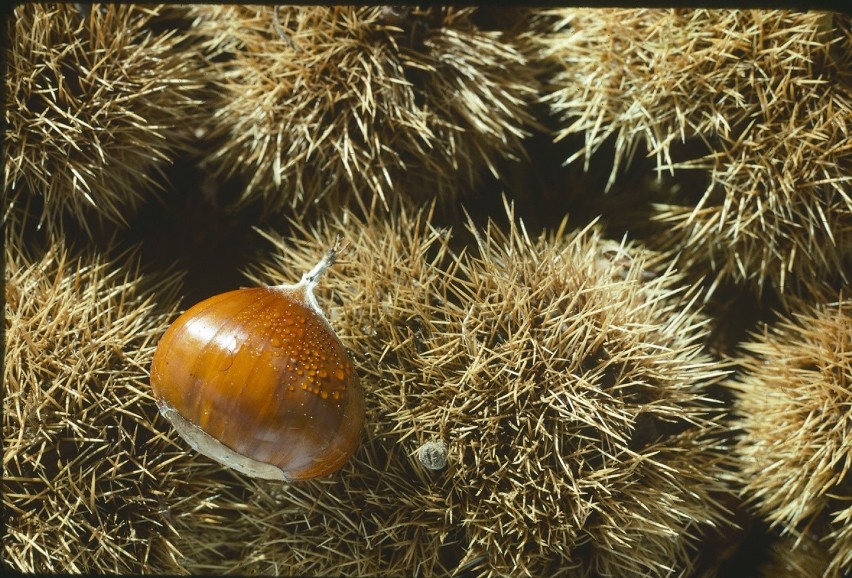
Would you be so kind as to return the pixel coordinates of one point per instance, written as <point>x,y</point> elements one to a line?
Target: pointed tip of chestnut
<point>257,379</point>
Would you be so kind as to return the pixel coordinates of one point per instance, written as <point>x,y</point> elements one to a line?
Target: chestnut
<point>256,379</point>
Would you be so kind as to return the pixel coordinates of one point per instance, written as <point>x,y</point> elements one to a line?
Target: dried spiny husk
<point>541,360</point>
<point>793,401</point>
<point>766,122</point>
<point>326,104</point>
<point>86,484</point>
<point>97,103</point>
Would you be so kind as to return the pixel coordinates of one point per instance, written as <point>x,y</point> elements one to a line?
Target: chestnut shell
<point>261,372</point>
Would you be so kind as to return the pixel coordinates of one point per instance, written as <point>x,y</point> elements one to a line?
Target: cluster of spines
<point>793,400</point>
<point>764,99</point>
<point>97,103</point>
<point>85,467</point>
<point>324,104</point>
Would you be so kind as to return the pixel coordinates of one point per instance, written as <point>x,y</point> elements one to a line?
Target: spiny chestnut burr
<point>257,379</point>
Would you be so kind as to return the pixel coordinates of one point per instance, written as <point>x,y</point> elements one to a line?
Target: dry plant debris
<point>794,407</point>
<point>566,378</point>
<point>315,103</point>
<point>85,470</point>
<point>767,94</point>
<point>95,106</point>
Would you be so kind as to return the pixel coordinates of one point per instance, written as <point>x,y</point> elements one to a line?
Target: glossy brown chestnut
<point>257,379</point>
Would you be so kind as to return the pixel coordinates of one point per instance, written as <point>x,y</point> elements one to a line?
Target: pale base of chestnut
<point>204,443</point>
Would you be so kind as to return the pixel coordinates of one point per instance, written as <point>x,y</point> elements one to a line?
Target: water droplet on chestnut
<point>231,380</point>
